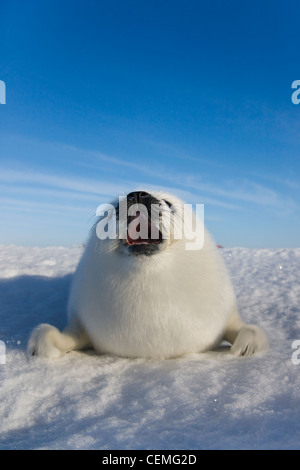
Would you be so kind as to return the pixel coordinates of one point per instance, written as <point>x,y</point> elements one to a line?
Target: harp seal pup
<point>150,297</point>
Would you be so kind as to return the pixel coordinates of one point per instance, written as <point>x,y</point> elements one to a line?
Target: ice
<point>202,401</point>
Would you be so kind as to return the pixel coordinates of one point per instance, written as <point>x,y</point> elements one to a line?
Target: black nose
<point>138,197</point>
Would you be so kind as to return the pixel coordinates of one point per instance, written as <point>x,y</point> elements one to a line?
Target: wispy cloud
<point>227,193</point>
<point>241,190</point>
<point>35,206</point>
<point>37,192</point>
<point>85,185</point>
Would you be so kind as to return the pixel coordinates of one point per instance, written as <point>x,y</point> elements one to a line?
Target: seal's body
<point>150,297</point>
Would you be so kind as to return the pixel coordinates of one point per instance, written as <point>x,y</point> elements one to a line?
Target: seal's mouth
<point>143,237</point>
<point>151,236</point>
<point>140,224</point>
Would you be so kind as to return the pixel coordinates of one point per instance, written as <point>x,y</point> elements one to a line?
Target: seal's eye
<point>169,204</point>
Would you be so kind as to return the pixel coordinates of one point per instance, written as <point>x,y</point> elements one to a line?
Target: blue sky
<point>103,97</point>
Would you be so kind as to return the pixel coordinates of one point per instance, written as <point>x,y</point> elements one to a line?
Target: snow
<point>202,401</point>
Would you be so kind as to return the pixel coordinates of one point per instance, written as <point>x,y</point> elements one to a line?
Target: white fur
<point>166,305</point>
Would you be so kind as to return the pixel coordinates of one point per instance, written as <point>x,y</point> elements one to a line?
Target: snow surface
<point>202,401</point>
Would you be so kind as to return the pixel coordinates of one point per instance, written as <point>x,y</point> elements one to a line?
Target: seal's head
<point>143,223</point>
<point>146,214</point>
<point>143,236</point>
